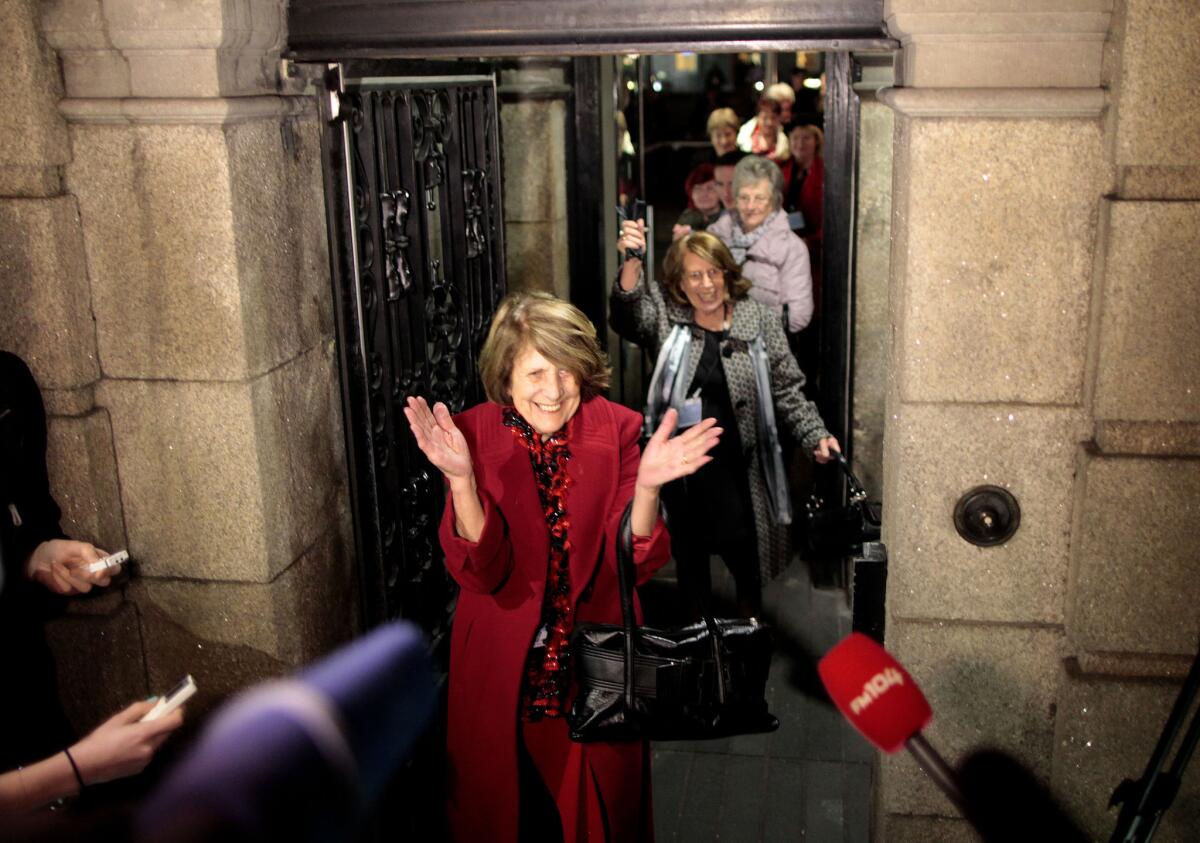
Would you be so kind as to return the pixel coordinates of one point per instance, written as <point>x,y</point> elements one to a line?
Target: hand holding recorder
<point>120,746</point>
<point>68,567</point>
<point>124,744</point>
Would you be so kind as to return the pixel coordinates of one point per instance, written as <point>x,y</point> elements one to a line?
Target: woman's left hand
<point>665,458</point>
<point>824,451</point>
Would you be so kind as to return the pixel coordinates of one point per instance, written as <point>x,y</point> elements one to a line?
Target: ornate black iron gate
<point>412,186</point>
<point>412,189</point>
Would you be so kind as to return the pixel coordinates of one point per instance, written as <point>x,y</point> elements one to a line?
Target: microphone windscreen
<point>874,692</point>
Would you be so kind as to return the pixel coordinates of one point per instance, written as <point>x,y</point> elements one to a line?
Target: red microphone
<point>881,701</point>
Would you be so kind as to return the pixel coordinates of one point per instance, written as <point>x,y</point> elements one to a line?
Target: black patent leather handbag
<point>705,680</point>
<point>835,532</point>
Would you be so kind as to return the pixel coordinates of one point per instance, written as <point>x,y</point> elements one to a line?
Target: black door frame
<point>584,135</point>
<point>835,328</point>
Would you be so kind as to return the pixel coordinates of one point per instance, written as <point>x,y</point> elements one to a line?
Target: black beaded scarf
<point>548,668</point>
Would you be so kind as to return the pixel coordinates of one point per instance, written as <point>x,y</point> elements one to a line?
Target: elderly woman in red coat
<point>538,479</point>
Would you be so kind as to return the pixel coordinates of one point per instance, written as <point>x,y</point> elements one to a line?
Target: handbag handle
<point>624,572</point>
<point>625,584</point>
<point>857,492</point>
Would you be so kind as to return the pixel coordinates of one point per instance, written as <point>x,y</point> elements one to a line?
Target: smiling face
<point>706,196</point>
<point>804,145</point>
<point>545,395</point>
<point>754,204</point>
<point>704,285</point>
<point>768,124</point>
<point>724,139</point>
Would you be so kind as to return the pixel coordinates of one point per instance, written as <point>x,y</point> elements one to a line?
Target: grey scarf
<point>740,242</point>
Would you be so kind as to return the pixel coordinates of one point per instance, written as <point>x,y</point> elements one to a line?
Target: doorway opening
<point>581,93</point>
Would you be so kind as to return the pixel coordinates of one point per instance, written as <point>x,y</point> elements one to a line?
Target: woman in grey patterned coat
<point>715,349</point>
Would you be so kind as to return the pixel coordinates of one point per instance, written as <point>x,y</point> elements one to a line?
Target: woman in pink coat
<point>538,478</point>
<point>770,256</point>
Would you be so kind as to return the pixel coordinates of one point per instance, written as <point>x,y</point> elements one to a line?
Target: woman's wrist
<point>631,271</point>
<point>645,509</point>
<point>462,485</point>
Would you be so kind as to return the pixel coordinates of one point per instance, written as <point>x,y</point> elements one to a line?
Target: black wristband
<point>75,767</point>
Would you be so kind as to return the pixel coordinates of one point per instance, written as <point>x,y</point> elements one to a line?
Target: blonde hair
<point>707,247</point>
<point>781,92</point>
<point>721,118</point>
<point>556,329</point>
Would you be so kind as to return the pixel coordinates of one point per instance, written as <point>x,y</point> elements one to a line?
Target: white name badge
<point>689,413</point>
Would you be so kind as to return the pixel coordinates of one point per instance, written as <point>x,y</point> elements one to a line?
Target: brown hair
<point>700,174</point>
<point>771,105</point>
<point>558,330</point>
<point>815,131</point>
<point>710,248</point>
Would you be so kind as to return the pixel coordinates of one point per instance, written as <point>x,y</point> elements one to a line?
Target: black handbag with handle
<point>705,680</point>
<point>835,532</point>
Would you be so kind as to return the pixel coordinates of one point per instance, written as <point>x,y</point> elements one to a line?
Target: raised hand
<point>439,439</point>
<point>665,458</point>
<point>633,236</point>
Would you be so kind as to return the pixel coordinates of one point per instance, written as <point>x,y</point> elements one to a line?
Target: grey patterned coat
<point>645,316</point>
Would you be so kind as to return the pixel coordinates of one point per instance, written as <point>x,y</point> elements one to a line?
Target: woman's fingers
<point>423,416</point>
<point>825,448</point>
<point>422,424</point>
<point>441,416</point>
<point>420,408</point>
<point>699,430</point>
<point>667,426</point>
<point>163,726</point>
<point>697,435</point>
<point>633,235</point>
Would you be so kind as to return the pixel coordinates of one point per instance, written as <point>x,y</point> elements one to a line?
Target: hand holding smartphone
<point>171,700</point>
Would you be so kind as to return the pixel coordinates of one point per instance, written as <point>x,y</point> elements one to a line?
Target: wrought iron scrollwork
<point>430,127</point>
<point>474,196</point>
<point>394,210</point>
<point>444,323</point>
<point>419,228</point>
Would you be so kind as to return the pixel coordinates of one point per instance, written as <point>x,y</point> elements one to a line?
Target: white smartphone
<point>172,699</point>
<point>110,561</point>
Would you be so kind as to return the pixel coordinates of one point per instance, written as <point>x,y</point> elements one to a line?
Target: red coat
<point>503,577</point>
<point>812,195</point>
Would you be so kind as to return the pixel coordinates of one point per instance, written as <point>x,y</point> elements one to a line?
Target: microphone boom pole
<point>937,769</point>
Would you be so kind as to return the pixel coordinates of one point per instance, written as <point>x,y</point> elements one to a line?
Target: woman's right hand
<point>666,457</point>
<point>61,566</point>
<point>122,745</point>
<point>439,439</point>
<point>633,236</point>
